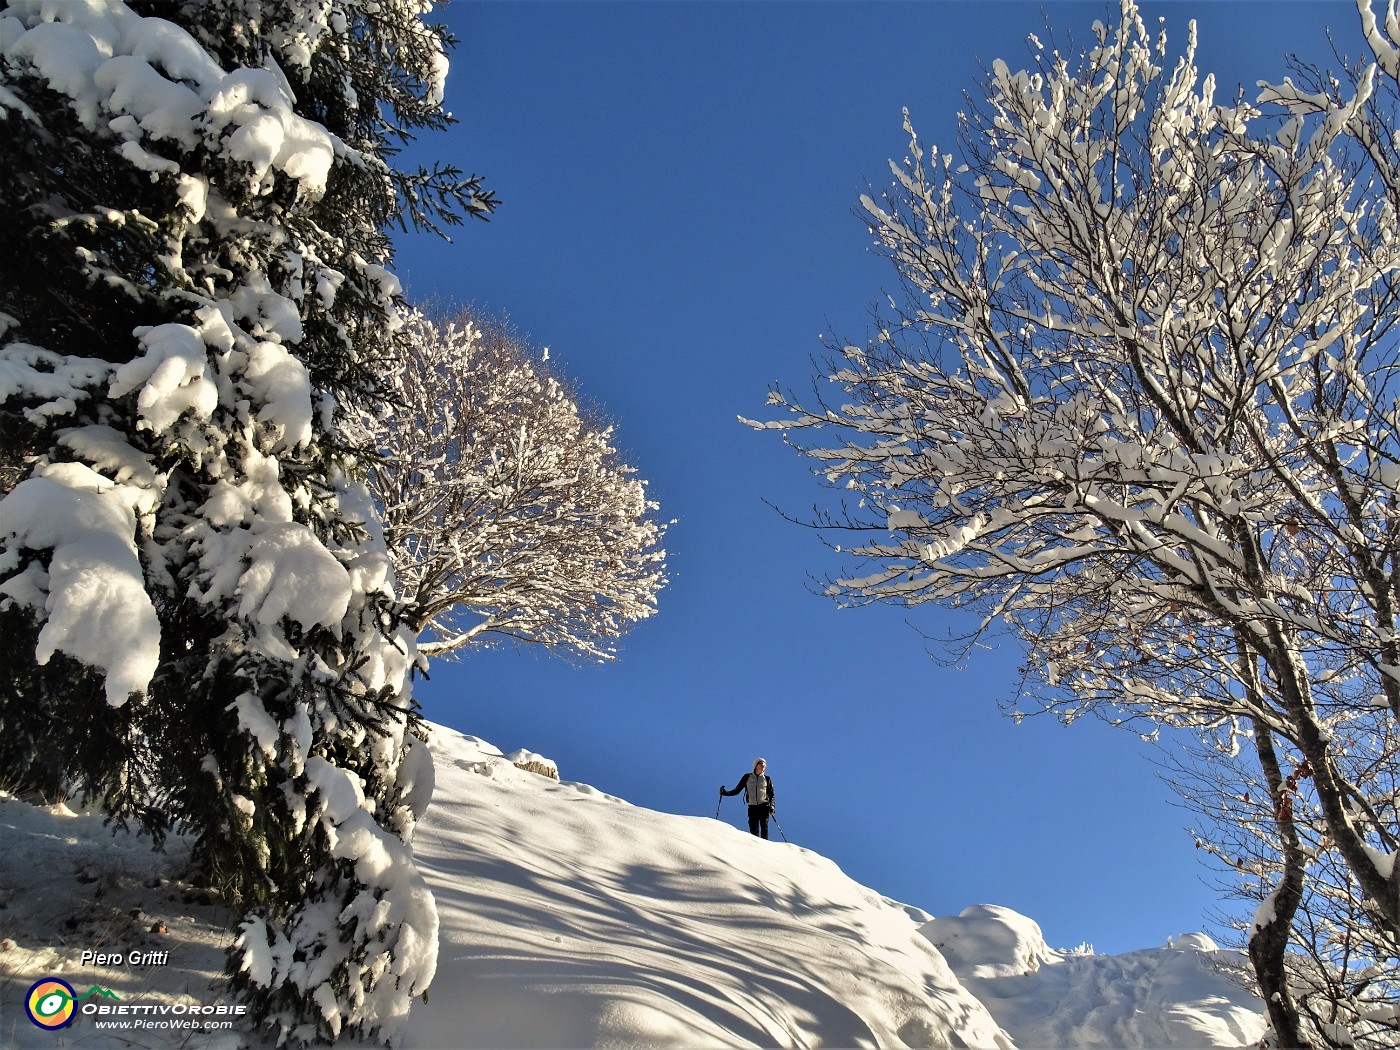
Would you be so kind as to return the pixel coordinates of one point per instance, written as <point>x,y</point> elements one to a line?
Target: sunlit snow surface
<point>573,919</point>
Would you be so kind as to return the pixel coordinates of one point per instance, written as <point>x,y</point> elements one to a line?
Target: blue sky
<point>677,183</point>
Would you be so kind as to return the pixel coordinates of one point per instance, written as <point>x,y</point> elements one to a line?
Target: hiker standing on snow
<point>758,791</point>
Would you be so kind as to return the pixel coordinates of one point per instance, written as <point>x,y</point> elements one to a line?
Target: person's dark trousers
<point>758,820</point>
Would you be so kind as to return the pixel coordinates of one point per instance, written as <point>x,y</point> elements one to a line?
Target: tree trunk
<point>1268,941</point>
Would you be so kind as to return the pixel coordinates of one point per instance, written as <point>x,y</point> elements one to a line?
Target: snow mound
<point>528,760</point>
<point>1195,941</point>
<point>1187,994</point>
<point>988,941</point>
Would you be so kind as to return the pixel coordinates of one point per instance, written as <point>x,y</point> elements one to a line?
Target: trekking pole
<point>717,804</point>
<point>774,819</point>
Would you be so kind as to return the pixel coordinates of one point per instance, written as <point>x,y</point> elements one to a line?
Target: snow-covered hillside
<point>573,919</point>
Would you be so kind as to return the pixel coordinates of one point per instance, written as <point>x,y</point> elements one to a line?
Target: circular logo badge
<point>50,1003</point>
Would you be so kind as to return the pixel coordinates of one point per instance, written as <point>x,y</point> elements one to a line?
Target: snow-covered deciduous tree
<point>506,508</point>
<point>1138,405</point>
<point>1340,966</point>
<point>198,612</point>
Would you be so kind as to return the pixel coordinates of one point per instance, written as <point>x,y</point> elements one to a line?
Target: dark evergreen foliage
<point>255,725</point>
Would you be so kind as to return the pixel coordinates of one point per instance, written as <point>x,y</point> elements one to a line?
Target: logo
<point>52,1003</point>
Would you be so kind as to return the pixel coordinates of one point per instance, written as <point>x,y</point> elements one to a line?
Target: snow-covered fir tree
<point>508,511</point>
<point>196,602</point>
<point>1137,405</point>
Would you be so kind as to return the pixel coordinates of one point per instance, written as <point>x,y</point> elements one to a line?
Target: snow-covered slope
<point>573,919</point>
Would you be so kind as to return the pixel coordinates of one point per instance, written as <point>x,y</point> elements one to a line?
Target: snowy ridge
<point>571,918</point>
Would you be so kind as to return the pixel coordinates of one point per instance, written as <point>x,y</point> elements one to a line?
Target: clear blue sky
<point>677,183</point>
